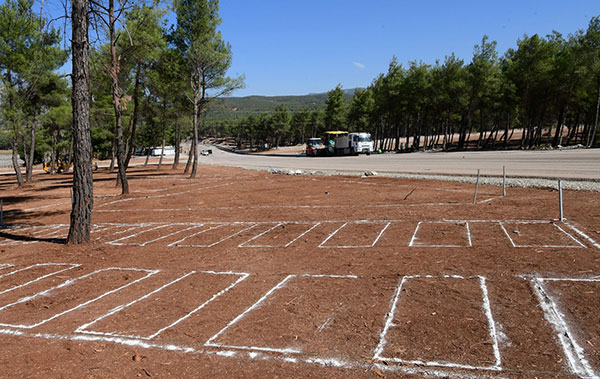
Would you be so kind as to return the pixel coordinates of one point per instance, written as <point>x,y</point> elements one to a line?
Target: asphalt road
<point>582,164</point>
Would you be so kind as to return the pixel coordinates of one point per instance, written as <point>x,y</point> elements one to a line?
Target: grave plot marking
<point>414,240</point>
<point>169,235</point>
<point>161,196</point>
<point>244,244</point>
<point>82,328</point>
<point>69,282</point>
<point>71,266</point>
<point>176,243</point>
<point>126,228</point>
<point>210,342</point>
<point>486,310</point>
<point>322,244</point>
<point>323,362</point>
<point>572,349</point>
<point>117,243</point>
<point>582,234</point>
<point>512,242</point>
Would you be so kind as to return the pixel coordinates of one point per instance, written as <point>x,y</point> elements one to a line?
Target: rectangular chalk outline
<point>280,285</point>
<point>486,310</point>
<point>124,228</point>
<point>243,244</point>
<point>457,222</point>
<point>501,223</point>
<point>387,224</point>
<point>185,228</point>
<point>67,283</point>
<point>82,328</point>
<point>71,266</point>
<point>571,348</point>
<point>218,225</point>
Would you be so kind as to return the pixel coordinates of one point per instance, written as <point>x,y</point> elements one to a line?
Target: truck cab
<point>361,143</point>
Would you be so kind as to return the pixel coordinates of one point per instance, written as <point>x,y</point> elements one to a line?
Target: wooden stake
<point>476,188</point>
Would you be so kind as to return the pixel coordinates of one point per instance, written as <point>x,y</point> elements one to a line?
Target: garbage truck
<point>345,143</point>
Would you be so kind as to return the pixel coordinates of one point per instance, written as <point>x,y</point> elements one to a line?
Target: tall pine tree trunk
<point>31,153</point>
<point>190,158</point>
<point>177,145</point>
<point>136,105</point>
<point>15,158</point>
<point>82,194</point>
<point>25,157</point>
<point>195,137</point>
<point>162,149</point>
<point>53,154</point>
<point>116,95</point>
<point>592,137</point>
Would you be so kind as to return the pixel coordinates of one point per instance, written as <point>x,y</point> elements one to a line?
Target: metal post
<point>476,188</point>
<point>503,180</point>
<point>560,200</point>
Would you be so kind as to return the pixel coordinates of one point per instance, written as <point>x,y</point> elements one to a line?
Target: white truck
<point>344,143</point>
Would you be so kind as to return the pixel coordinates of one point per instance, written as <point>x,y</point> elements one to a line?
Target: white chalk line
<point>581,245</point>
<point>280,285</point>
<point>219,241</point>
<point>302,235</point>
<point>322,245</point>
<point>319,361</point>
<point>71,266</point>
<point>582,234</point>
<point>117,243</point>
<point>37,229</point>
<point>487,308</point>
<point>138,229</point>
<point>242,276</point>
<point>168,235</point>
<point>260,235</point>
<point>161,196</point>
<point>5,265</point>
<point>570,236</point>
<point>377,355</point>
<point>244,244</point>
<point>67,283</point>
<point>341,206</point>
<point>574,353</point>
<point>414,241</point>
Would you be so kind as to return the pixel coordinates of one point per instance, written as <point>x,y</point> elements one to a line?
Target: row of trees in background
<point>139,84</point>
<point>150,84</point>
<point>546,91</point>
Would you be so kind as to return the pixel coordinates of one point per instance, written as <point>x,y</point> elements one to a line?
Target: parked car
<point>315,147</point>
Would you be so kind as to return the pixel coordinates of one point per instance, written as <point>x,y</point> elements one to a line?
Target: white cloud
<point>359,65</point>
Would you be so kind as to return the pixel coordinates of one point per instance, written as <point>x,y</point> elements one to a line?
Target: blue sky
<point>295,47</point>
<point>287,47</point>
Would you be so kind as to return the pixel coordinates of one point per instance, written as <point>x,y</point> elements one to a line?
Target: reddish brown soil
<point>324,257</point>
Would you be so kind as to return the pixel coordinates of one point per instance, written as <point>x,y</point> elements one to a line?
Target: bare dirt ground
<point>240,273</point>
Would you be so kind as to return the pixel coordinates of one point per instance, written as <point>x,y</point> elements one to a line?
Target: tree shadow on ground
<point>20,238</point>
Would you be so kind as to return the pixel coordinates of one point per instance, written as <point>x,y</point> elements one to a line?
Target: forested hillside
<point>234,108</point>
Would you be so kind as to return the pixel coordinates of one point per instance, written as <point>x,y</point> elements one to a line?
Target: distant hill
<point>231,108</point>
